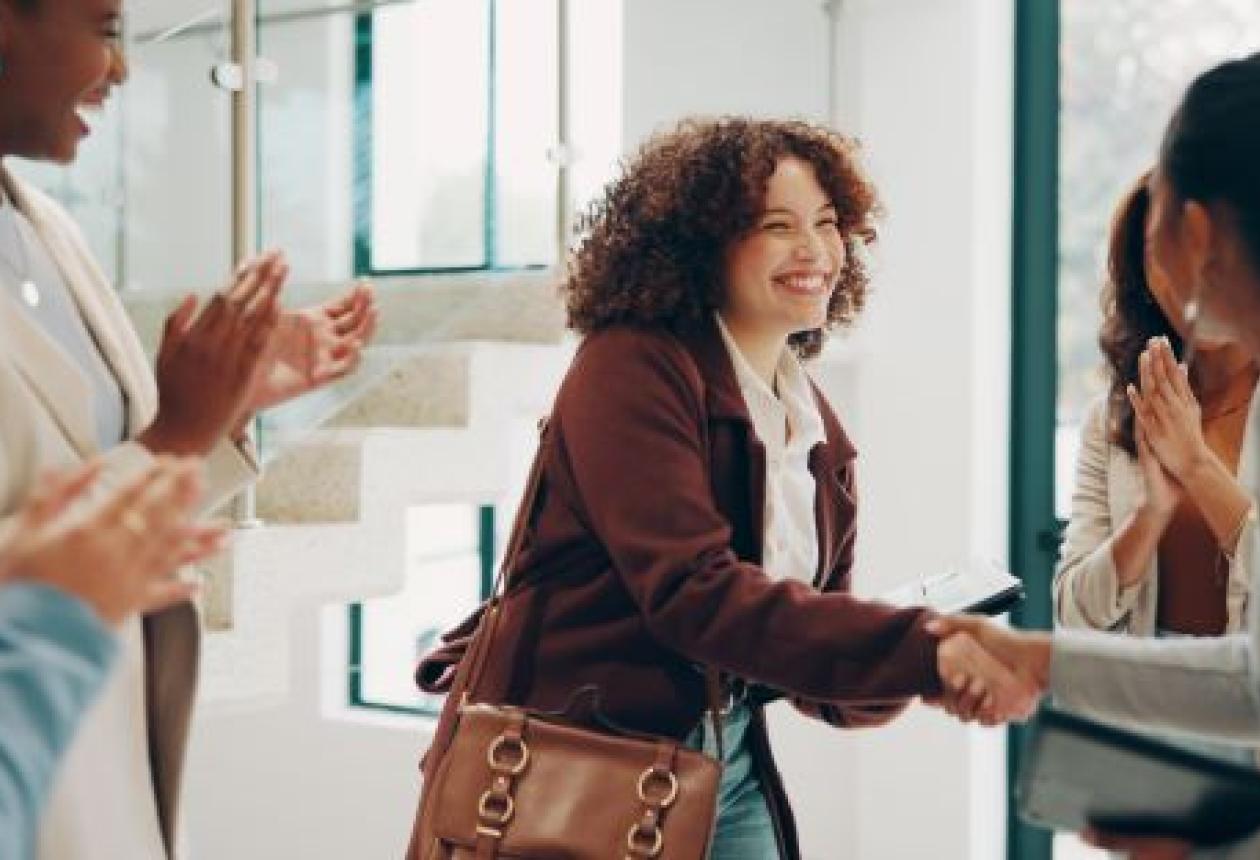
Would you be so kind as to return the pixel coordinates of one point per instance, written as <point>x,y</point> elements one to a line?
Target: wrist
<point>1155,515</point>
<point>1198,469</point>
<point>160,439</point>
<point>1041,647</point>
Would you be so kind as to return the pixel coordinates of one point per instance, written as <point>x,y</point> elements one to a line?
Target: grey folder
<point>1078,772</point>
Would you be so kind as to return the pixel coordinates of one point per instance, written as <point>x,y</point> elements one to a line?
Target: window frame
<point>1034,529</point>
<point>487,540</point>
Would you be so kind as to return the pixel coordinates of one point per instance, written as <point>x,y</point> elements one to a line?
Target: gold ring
<point>134,523</point>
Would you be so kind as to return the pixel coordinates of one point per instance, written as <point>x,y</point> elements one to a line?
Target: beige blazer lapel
<point>102,311</point>
<point>53,377</point>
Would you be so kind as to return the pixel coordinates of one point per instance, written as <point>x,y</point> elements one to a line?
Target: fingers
<point>947,625</point>
<point>264,296</point>
<point>356,302</point>
<point>176,327</point>
<point>959,669</point>
<point>1164,371</point>
<point>57,492</point>
<point>1154,398</point>
<point>1142,410</point>
<point>1177,374</point>
<point>992,690</point>
<point>1166,384</point>
<point>234,315</point>
<point>247,276</point>
<point>201,543</point>
<point>352,315</point>
<point>127,495</point>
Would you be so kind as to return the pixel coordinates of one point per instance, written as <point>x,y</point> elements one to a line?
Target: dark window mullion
<point>1033,352</point>
<point>361,190</point>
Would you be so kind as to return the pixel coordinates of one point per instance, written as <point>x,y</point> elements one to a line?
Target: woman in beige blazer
<point>1156,517</point>
<point>74,383</point>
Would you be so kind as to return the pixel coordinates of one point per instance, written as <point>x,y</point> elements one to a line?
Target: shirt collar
<point>796,394</point>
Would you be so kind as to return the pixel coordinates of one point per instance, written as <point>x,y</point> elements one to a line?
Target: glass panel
<point>526,117</point>
<point>1125,63</point>
<point>430,74</point>
<point>306,118</point>
<point>443,587</point>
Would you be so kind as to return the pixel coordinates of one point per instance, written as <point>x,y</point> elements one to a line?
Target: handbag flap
<point>577,796</point>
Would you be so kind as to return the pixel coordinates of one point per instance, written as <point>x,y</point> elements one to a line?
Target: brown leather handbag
<point>522,785</point>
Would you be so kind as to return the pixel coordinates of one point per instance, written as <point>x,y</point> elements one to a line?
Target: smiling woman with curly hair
<point>653,249</point>
<point>697,506</point>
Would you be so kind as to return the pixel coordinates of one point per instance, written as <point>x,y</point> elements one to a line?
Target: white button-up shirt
<point>789,426</point>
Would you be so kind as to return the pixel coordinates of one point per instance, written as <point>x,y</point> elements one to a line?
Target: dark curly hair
<point>653,247</point>
<point>1131,316</point>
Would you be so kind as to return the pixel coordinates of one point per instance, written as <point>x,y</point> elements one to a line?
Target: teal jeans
<point>744,830</point>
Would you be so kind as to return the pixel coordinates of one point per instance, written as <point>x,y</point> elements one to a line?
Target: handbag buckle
<point>658,775</point>
<point>496,808</point>
<point>517,755</point>
<point>645,843</point>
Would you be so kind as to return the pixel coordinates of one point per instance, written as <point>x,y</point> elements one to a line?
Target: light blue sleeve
<point>54,656</point>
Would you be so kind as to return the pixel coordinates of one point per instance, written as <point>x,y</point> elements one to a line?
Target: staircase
<point>443,409</point>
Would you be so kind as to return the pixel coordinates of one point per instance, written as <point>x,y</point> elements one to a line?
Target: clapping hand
<point>1167,413</point>
<point>314,346</point>
<point>120,553</point>
<point>989,673</point>
<point>209,362</point>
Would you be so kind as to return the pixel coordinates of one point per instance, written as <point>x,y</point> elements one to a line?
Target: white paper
<point>955,590</point>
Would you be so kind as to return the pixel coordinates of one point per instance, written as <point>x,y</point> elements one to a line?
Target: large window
<point>458,122</point>
<point>1096,83</point>
<point>1124,65</point>
<point>395,136</point>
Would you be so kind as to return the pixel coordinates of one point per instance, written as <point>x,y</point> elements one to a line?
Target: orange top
<point>1193,570</point>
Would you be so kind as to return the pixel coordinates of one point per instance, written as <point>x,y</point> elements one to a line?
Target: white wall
<point>933,105</point>
<point>923,386</point>
<point>300,780</point>
<point>759,57</point>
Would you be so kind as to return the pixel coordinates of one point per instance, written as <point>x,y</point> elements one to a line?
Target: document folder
<point>1077,772</point>
<point>979,586</point>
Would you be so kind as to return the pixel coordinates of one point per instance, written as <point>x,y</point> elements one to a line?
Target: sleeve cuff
<point>59,617</point>
<point>927,644</point>
<point>230,467</point>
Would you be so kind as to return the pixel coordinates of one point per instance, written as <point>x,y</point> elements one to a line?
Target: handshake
<point>989,674</point>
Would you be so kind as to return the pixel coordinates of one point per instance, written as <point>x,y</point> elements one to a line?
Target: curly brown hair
<point>1131,316</point>
<point>653,246</point>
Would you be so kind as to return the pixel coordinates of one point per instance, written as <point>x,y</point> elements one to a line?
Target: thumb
<point>948,625</point>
